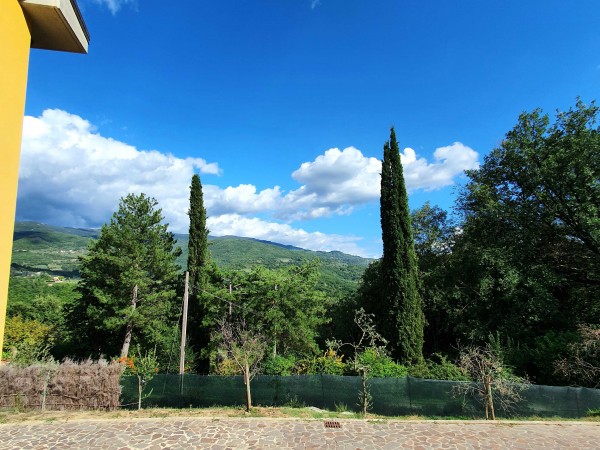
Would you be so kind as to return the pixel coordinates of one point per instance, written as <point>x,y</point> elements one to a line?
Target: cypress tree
<point>401,315</point>
<point>198,255</point>
<point>197,265</point>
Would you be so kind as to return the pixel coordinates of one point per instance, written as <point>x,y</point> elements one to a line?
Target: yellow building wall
<point>14,59</point>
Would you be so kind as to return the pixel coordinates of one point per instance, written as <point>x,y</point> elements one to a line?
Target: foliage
<point>538,357</point>
<point>403,321</point>
<point>593,412</point>
<point>268,300</point>
<point>227,367</point>
<point>279,365</point>
<point>27,341</point>
<point>128,281</point>
<point>437,367</point>
<point>435,234</point>
<point>379,365</point>
<point>529,251</point>
<point>340,272</point>
<point>274,297</point>
<point>46,301</point>
<point>330,364</point>
<point>198,254</point>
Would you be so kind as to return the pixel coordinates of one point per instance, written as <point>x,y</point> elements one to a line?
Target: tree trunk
<point>129,328</point>
<point>490,398</point>
<point>139,393</point>
<point>184,326</point>
<point>247,382</point>
<point>365,400</point>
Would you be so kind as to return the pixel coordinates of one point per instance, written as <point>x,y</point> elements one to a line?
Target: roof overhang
<point>56,25</point>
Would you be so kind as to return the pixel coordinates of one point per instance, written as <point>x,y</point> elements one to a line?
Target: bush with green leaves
<point>437,367</point>
<point>329,364</point>
<point>380,365</point>
<point>27,341</point>
<point>279,365</point>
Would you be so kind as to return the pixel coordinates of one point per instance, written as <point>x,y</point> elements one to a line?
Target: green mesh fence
<point>391,396</point>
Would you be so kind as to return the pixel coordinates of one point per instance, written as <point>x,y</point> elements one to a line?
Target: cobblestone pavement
<point>226,433</point>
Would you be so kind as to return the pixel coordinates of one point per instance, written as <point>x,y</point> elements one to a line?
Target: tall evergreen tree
<point>400,311</point>
<point>197,265</point>
<point>128,282</point>
<point>198,255</point>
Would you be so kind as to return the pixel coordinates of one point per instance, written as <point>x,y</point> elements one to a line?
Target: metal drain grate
<point>332,424</point>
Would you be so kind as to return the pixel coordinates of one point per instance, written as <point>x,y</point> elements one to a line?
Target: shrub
<point>279,365</point>
<point>380,365</point>
<point>438,368</point>
<point>227,367</point>
<point>27,341</point>
<point>330,364</point>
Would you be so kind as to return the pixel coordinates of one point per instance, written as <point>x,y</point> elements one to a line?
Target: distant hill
<point>54,250</point>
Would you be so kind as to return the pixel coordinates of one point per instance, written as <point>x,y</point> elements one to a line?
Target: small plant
<point>144,368</point>
<point>593,412</point>
<point>372,346</point>
<point>340,407</point>
<point>292,401</point>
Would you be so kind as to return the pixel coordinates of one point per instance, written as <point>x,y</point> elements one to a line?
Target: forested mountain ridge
<point>54,250</point>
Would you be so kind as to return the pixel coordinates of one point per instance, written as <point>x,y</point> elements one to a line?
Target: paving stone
<point>154,434</point>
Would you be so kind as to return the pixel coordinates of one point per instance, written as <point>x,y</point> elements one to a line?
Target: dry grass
<point>68,386</point>
<point>13,416</point>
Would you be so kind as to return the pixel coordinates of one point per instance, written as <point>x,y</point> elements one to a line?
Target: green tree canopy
<point>525,263</point>
<point>283,305</point>
<point>128,281</point>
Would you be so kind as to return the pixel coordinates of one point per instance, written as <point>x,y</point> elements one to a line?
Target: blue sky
<point>283,107</point>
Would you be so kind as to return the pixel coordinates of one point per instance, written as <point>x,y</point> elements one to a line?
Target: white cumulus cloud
<point>72,175</point>
<point>449,162</point>
<point>236,225</point>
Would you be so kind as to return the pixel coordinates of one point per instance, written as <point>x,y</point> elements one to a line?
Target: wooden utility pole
<point>184,325</point>
<point>230,291</point>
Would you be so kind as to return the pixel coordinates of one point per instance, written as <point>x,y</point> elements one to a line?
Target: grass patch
<point>14,416</point>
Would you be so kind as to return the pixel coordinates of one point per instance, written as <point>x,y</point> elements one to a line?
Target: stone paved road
<point>227,433</point>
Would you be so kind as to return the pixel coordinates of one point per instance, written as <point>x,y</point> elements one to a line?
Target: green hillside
<point>44,248</point>
<point>54,250</point>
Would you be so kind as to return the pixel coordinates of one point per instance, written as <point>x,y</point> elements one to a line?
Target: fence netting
<point>390,396</point>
